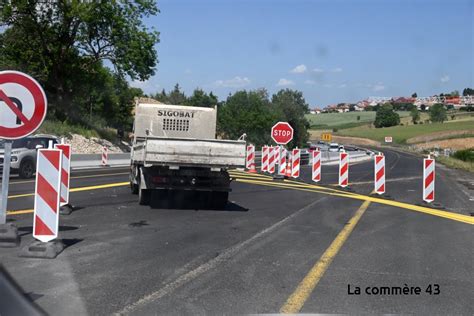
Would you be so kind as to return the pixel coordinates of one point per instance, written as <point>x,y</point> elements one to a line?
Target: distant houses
<point>401,103</point>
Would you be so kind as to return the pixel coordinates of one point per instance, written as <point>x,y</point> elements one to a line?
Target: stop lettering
<point>282,133</point>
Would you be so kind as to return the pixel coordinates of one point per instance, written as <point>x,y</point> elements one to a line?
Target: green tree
<point>248,112</point>
<point>293,106</point>
<point>201,98</point>
<point>63,43</point>
<point>438,113</point>
<point>454,93</point>
<point>386,116</point>
<point>467,91</point>
<point>177,97</point>
<point>414,95</point>
<point>161,96</point>
<point>415,115</point>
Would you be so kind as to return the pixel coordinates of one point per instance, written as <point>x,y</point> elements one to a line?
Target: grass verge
<point>66,129</point>
<point>400,134</point>
<point>456,163</point>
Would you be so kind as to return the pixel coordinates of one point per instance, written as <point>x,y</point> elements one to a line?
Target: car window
<point>20,143</point>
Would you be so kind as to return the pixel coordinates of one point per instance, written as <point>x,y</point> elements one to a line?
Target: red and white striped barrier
<point>47,194</point>
<point>250,156</point>
<point>282,161</point>
<point>66,171</point>
<point>428,179</point>
<point>343,169</point>
<point>379,174</point>
<point>105,156</point>
<point>271,159</point>
<point>295,161</point>
<point>316,166</point>
<point>265,150</point>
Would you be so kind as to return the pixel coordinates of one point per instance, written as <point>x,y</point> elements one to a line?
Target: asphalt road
<point>285,246</point>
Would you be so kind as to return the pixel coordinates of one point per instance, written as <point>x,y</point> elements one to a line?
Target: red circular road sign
<point>23,105</point>
<point>282,133</point>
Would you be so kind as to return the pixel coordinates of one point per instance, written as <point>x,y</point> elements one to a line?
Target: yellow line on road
<point>19,212</point>
<point>444,214</point>
<point>78,177</point>
<point>296,301</point>
<point>94,187</point>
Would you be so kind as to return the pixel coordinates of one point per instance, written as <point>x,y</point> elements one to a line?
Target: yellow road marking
<point>296,301</point>
<point>243,173</point>
<point>444,214</point>
<point>94,187</point>
<point>19,212</point>
<point>78,177</point>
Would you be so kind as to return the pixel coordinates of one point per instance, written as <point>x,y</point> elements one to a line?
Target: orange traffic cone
<point>252,168</point>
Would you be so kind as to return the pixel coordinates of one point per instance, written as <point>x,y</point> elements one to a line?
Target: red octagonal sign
<point>282,133</point>
<point>23,105</point>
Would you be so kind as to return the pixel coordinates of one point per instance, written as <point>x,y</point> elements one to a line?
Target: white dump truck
<point>175,149</point>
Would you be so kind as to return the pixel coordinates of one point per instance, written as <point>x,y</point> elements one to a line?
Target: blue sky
<point>334,51</point>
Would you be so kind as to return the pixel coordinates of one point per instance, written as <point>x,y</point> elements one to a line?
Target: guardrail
<point>79,161</point>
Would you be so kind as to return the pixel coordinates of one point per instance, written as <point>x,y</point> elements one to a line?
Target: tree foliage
<point>438,113</point>
<point>415,115</point>
<point>386,116</point>
<point>64,43</point>
<point>293,106</point>
<point>248,112</point>
<point>467,92</point>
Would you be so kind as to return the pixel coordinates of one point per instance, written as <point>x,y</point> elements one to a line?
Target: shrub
<point>465,155</point>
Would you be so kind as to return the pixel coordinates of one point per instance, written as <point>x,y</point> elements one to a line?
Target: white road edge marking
<point>221,258</point>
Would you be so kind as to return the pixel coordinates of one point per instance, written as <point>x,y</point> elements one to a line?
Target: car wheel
<point>27,169</point>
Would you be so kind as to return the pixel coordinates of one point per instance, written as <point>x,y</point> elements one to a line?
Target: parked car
<point>23,160</point>
<point>334,147</point>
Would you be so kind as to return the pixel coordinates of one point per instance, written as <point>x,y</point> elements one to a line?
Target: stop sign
<point>282,133</point>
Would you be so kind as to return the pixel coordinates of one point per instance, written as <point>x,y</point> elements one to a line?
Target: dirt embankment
<point>83,145</point>
<point>439,135</point>
<point>316,135</point>
<point>456,144</point>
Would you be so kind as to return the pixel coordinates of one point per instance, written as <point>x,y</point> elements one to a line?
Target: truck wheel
<point>134,188</point>
<point>27,169</point>
<point>219,200</point>
<point>144,196</point>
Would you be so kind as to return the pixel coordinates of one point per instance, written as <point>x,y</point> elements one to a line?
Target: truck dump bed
<point>165,151</point>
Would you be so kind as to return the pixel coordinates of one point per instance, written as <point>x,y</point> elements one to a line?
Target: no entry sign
<point>22,105</point>
<point>282,133</point>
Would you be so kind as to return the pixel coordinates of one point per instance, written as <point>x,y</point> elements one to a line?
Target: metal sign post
<point>5,177</point>
<point>23,107</point>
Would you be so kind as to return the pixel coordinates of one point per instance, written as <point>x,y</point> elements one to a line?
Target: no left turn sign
<point>23,105</point>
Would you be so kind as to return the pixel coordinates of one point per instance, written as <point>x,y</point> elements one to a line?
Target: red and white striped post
<point>295,161</point>
<point>66,171</point>
<point>105,156</point>
<point>47,194</point>
<point>428,179</point>
<point>282,162</point>
<point>316,165</point>
<point>264,167</point>
<point>343,169</point>
<point>251,158</point>
<point>271,159</point>
<point>379,174</point>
